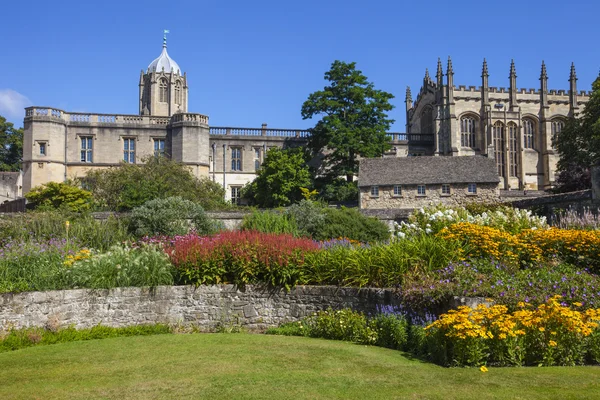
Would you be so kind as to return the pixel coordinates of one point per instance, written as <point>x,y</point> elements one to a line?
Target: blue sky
<point>250,62</point>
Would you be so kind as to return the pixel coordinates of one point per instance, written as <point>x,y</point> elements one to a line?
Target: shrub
<point>309,216</point>
<point>384,330</point>
<point>122,266</point>
<point>241,257</point>
<point>270,222</point>
<point>171,216</point>
<point>60,195</point>
<point>128,186</point>
<point>350,223</point>
<point>551,334</point>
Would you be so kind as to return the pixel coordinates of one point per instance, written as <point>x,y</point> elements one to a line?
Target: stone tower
<point>163,89</point>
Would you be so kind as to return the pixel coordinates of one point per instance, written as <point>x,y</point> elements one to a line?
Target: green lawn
<point>245,366</point>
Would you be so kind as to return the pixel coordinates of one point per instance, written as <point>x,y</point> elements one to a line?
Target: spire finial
<point>573,76</point>
<point>484,69</point>
<point>544,73</point>
<point>450,69</point>
<point>427,77</point>
<point>513,71</point>
<point>165,37</point>
<point>440,72</point>
<point>408,95</point>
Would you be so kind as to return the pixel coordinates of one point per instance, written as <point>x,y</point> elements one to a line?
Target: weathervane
<point>165,37</point>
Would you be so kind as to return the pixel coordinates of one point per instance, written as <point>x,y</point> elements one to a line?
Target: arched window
<point>528,133</point>
<point>162,91</point>
<point>467,131</point>
<point>427,120</point>
<point>178,93</point>
<point>498,139</point>
<point>557,126</point>
<point>513,149</point>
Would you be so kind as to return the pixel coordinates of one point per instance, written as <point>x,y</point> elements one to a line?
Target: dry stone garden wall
<point>206,307</point>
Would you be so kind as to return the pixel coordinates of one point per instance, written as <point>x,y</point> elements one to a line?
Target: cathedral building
<point>513,126</point>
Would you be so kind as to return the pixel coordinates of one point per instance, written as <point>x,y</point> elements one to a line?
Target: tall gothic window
<point>427,120</point>
<point>513,149</point>
<point>557,127</point>
<point>498,138</point>
<point>467,131</point>
<point>162,91</point>
<point>528,134</point>
<point>178,93</point>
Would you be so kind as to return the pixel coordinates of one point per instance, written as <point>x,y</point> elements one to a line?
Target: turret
<point>573,91</point>
<point>408,100</point>
<point>544,86</point>
<point>485,85</point>
<point>513,86</point>
<point>450,75</point>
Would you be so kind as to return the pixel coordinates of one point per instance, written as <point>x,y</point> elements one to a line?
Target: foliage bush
<point>384,330</point>
<point>47,226</point>
<point>241,257</point>
<point>170,216</point>
<point>34,266</point>
<point>270,222</point>
<point>16,339</point>
<point>60,195</point>
<point>350,223</point>
<point>551,334</point>
<point>121,266</point>
<point>128,186</point>
<point>309,217</point>
<point>505,284</point>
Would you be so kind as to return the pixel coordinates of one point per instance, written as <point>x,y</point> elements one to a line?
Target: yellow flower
<point>483,368</point>
<point>552,343</point>
<point>542,329</point>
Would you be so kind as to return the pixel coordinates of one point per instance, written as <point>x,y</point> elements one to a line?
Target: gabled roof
<point>426,170</point>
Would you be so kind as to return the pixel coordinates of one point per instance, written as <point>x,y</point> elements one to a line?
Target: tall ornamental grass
<point>83,228</point>
<point>34,265</point>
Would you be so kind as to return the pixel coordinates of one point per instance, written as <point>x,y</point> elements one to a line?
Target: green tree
<point>578,145</point>
<point>353,121</point>
<point>60,195</point>
<point>280,178</point>
<point>128,186</point>
<point>11,146</point>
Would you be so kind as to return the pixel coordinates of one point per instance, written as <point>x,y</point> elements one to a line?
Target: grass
<point>244,366</point>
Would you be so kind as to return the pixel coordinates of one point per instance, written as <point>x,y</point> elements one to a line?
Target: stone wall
<point>205,307</point>
<point>409,199</point>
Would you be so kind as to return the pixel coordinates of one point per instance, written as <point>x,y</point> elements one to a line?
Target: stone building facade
<point>413,182</point>
<point>513,126</point>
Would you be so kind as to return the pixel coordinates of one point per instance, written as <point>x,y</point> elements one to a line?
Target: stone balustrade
<point>264,131</point>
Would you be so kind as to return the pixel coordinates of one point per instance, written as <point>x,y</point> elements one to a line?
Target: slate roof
<point>426,170</point>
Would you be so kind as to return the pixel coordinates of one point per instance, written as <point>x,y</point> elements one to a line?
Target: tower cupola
<point>163,87</point>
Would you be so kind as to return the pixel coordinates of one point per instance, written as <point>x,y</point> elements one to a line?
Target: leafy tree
<point>60,195</point>
<point>280,179</point>
<point>11,146</point>
<point>128,186</point>
<point>578,145</point>
<point>353,120</point>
